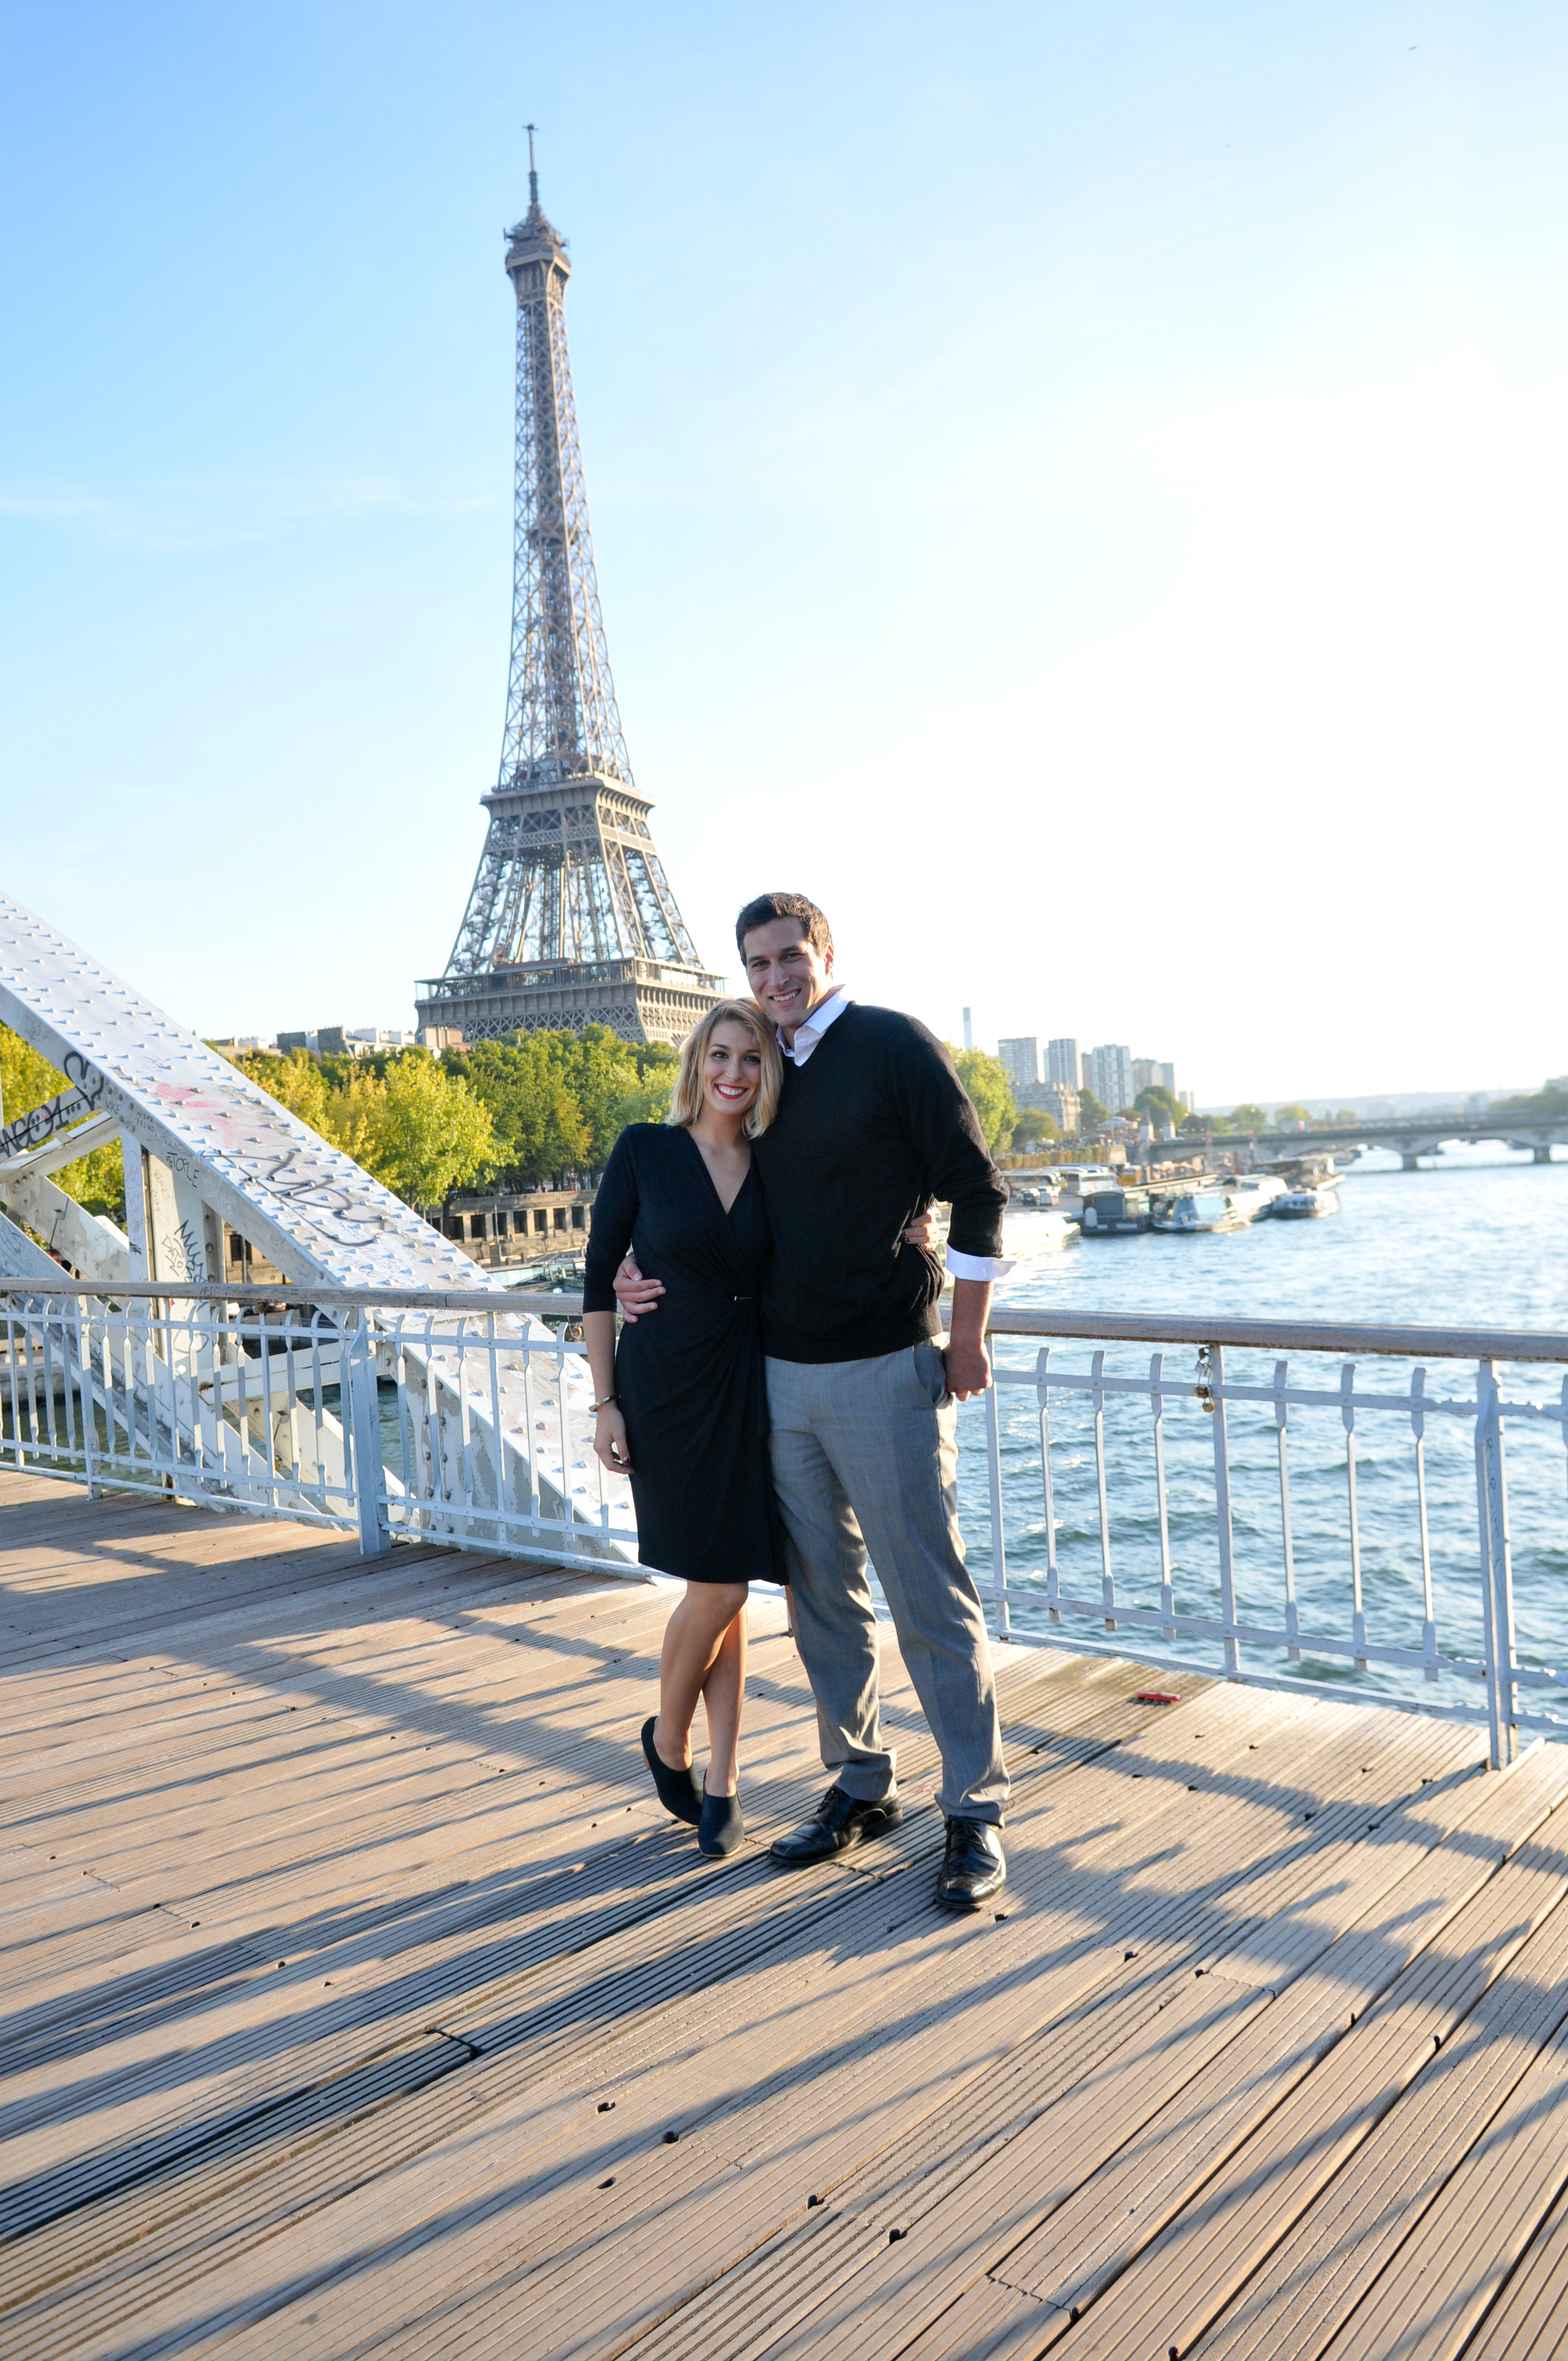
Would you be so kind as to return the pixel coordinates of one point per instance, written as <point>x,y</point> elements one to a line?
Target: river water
<point>1481,1240</point>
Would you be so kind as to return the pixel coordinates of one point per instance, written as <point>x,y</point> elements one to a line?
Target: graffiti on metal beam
<point>42,1124</point>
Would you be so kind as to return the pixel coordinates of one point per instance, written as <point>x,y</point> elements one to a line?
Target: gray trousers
<point>865,1458</point>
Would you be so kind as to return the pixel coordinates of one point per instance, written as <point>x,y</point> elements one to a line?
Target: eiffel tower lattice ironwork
<point>571,920</point>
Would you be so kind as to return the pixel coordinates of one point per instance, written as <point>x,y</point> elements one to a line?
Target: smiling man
<point>873,1125</point>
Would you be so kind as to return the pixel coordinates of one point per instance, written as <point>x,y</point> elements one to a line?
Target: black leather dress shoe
<point>838,1822</point>
<point>974,1868</point>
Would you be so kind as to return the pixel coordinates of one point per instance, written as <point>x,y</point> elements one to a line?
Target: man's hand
<point>967,1367</point>
<point>634,1293</point>
<point>966,1360</point>
<point>920,1232</point>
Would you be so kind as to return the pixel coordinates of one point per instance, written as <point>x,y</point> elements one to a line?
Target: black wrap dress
<point>689,1375</point>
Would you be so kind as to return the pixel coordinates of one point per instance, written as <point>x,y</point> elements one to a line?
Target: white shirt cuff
<point>987,1267</point>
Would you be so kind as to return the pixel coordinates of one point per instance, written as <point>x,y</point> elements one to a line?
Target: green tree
<point>297,1080</point>
<point>1033,1126</point>
<point>603,1078</point>
<point>990,1088</point>
<point>426,1132</point>
<point>26,1078</point>
<point>1249,1116</point>
<point>1091,1112</point>
<point>1291,1114</point>
<point>1545,1105</point>
<point>96,1181</point>
<point>540,1133</point>
<point>352,1116</point>
<point>649,1101</point>
<point>1159,1105</point>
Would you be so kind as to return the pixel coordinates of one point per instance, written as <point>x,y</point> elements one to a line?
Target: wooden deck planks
<point>838,2012</point>
<point>1184,2083</point>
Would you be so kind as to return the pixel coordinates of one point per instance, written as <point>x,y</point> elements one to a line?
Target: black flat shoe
<point>974,1868</point>
<point>721,1829</point>
<point>678,1790</point>
<point>838,1822</point>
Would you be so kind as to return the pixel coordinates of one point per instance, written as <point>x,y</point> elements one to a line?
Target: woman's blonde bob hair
<point>686,1100</point>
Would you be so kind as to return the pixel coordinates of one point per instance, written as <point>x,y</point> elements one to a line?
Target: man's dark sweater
<point>874,1127</point>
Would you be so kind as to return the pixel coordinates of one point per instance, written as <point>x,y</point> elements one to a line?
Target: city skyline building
<point>1062,1102</point>
<point>1109,1074</point>
<point>1021,1056</point>
<point>1152,1073</point>
<point>1061,1061</point>
<point>571,920</point>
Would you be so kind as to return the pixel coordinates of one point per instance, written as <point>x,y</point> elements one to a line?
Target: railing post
<point>1167,1584</point>
<point>1358,1604</point>
<point>1497,1568</point>
<point>1222,1508</point>
<point>88,1408</point>
<point>1043,1401</point>
<point>998,1529</point>
<point>1281,1416</point>
<point>1107,1579</point>
<point>358,1360</point>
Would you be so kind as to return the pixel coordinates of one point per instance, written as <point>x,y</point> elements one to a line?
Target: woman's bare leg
<point>721,1694</point>
<point>694,1637</point>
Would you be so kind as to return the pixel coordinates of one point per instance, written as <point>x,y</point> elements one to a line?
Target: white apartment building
<point>1061,1101</point>
<point>1109,1074</point>
<point>1058,1100</point>
<point>1021,1057</point>
<point>1061,1061</point>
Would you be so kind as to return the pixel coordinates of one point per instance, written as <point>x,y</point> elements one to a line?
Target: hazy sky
<point>1081,492</point>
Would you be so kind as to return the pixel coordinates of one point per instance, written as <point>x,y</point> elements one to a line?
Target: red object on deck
<point>1154,1696</point>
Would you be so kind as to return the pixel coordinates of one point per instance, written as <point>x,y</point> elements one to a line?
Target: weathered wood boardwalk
<point>359,2000</point>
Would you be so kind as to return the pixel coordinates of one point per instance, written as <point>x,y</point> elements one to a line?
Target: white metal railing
<point>1245,1488</point>
<point>1103,1521</point>
<point>456,1417</point>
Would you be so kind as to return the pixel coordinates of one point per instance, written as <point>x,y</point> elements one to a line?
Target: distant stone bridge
<point>1412,1137</point>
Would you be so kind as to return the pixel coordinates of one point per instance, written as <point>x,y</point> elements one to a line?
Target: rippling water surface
<point>1476,1241</point>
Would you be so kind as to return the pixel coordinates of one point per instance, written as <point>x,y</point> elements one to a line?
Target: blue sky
<point>1081,492</point>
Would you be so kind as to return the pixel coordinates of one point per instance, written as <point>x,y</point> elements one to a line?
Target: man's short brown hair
<point>768,906</point>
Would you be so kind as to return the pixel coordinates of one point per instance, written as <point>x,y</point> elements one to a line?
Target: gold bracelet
<point>607,1401</point>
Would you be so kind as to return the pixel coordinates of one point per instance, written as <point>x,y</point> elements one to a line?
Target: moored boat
<point>1256,1193</point>
<point>1117,1213</point>
<point>1306,1204</point>
<point>1197,1211</point>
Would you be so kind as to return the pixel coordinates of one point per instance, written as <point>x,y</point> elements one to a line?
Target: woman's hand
<point>918,1234</point>
<point>610,1439</point>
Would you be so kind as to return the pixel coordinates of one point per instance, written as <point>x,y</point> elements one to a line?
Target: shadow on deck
<point>355,1998</point>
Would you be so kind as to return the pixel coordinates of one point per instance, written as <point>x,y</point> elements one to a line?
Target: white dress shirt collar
<point>827,1012</point>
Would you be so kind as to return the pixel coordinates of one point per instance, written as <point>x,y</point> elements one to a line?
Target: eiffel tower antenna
<point>571,920</point>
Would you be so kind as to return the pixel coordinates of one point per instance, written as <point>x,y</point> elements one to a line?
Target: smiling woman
<point>680,1405</point>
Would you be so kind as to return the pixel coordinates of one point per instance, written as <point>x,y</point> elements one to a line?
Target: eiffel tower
<point>571,920</point>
